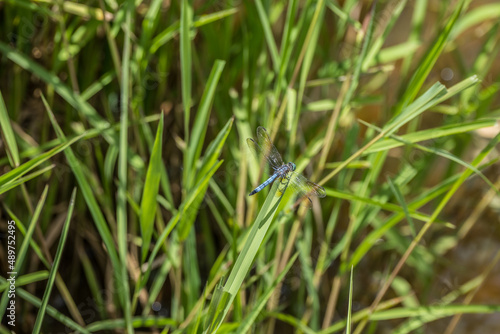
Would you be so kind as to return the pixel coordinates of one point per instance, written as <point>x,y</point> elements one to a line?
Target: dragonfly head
<point>292,166</point>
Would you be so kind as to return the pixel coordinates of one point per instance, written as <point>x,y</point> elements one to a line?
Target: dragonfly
<point>263,149</point>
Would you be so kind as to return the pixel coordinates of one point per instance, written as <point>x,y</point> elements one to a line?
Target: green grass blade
<point>439,132</point>
<point>201,122</point>
<point>349,309</point>
<point>186,76</point>
<point>97,86</point>
<point>30,164</point>
<point>399,196</point>
<point>33,243</point>
<point>428,61</point>
<point>55,266</point>
<point>23,250</point>
<point>88,194</point>
<point>27,279</point>
<point>213,151</point>
<point>8,135</point>
<point>169,33</point>
<point>121,275</point>
<point>478,15</point>
<point>118,325</point>
<point>396,52</point>
<point>151,187</point>
<point>53,312</point>
<point>266,27</point>
<point>431,313</point>
<point>250,319</point>
<point>193,199</point>
<point>370,240</point>
<point>247,255</point>
<point>430,98</point>
<point>189,209</point>
<point>442,153</point>
<point>64,91</point>
<point>25,179</point>
<point>379,42</point>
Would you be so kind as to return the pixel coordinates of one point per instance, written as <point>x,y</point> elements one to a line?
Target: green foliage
<point>145,106</point>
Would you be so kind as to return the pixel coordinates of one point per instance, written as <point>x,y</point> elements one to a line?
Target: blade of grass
<point>349,309</point>
<point>82,10</point>
<point>55,266</point>
<point>399,196</point>
<point>23,250</point>
<point>428,61</point>
<point>169,33</point>
<point>151,187</point>
<point>430,313</point>
<point>16,173</point>
<point>245,258</point>
<point>27,279</point>
<point>8,135</point>
<point>197,139</point>
<point>25,179</point>
<point>266,27</point>
<point>430,98</point>
<point>477,15</point>
<point>249,320</point>
<point>439,132</point>
<point>64,91</point>
<point>87,192</point>
<point>209,160</point>
<point>118,325</point>
<point>53,312</point>
<point>444,154</point>
<point>121,199</point>
<point>374,49</point>
<point>191,199</point>
<point>427,225</point>
<point>186,76</point>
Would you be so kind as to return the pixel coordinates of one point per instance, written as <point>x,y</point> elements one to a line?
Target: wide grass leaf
<point>151,186</point>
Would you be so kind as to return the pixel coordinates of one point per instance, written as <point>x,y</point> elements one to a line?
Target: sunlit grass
<point>145,107</point>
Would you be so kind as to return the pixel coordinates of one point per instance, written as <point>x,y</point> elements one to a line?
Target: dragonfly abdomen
<point>265,184</point>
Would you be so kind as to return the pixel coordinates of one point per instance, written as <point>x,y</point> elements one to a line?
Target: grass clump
<point>144,109</point>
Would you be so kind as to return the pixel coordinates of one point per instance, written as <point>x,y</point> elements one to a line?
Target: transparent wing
<point>305,188</point>
<point>265,150</point>
<point>268,148</point>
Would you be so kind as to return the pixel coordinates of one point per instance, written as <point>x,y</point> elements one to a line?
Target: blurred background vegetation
<point>144,107</point>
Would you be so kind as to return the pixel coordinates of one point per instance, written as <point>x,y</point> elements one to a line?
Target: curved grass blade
<point>23,250</point>
<point>428,61</point>
<point>151,187</point>
<point>245,260</point>
<point>32,163</point>
<point>25,179</point>
<point>8,135</point>
<point>55,266</point>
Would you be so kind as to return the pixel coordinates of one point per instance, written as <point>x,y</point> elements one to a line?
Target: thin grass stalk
<point>55,266</point>
<point>426,227</point>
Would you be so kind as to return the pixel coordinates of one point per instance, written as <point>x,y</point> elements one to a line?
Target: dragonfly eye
<point>292,165</point>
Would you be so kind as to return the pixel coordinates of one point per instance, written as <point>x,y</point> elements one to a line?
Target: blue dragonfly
<point>265,150</point>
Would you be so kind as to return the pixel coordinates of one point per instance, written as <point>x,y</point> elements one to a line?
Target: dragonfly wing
<point>268,148</point>
<point>305,188</point>
<point>260,155</point>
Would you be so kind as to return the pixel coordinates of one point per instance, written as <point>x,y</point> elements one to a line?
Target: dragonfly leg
<point>283,184</point>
